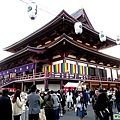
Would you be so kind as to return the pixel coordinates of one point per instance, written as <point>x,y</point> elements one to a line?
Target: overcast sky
<point>15,23</point>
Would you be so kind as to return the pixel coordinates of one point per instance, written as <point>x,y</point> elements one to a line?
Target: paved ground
<point>70,115</point>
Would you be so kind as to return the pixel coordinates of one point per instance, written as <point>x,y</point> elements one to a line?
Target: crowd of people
<point>51,105</point>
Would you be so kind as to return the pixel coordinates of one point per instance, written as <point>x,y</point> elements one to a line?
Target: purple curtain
<point>19,69</point>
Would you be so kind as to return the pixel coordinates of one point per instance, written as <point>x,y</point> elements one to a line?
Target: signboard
<point>116,116</point>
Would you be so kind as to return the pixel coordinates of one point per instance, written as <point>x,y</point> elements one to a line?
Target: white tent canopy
<point>71,84</point>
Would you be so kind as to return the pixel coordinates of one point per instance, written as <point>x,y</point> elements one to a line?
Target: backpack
<point>49,103</point>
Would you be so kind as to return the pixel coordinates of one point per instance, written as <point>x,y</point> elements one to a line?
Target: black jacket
<point>102,102</point>
<point>5,108</point>
<point>117,97</point>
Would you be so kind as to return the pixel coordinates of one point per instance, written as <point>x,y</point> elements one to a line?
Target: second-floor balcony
<point>61,76</point>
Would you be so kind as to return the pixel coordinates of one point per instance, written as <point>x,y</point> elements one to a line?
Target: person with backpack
<point>48,103</point>
<point>56,105</point>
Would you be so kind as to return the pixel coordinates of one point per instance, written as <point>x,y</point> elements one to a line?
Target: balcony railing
<point>65,76</point>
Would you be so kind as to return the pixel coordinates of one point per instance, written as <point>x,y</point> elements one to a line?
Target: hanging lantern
<point>32,10</point>
<point>78,27</point>
<point>102,36</point>
<point>118,40</point>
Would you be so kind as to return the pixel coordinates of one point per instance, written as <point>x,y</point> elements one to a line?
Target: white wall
<point>118,72</point>
<point>40,87</point>
<point>100,67</point>
<point>57,62</point>
<point>54,87</point>
<point>92,66</point>
<point>82,64</point>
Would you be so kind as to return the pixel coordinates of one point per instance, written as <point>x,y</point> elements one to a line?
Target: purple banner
<point>19,69</point>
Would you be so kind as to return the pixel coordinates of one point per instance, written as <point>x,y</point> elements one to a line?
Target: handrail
<point>58,76</point>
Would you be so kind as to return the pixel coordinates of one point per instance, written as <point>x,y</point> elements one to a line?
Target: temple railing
<point>65,76</point>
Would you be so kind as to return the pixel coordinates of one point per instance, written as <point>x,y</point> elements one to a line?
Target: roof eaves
<point>15,54</point>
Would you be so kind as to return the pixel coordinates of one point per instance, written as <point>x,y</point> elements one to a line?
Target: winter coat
<point>69,97</point>
<point>17,107</point>
<point>5,108</point>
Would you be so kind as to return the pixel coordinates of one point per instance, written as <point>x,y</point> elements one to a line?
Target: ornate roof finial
<point>82,7</point>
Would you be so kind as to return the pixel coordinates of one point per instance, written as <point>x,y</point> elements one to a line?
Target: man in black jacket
<point>94,99</point>
<point>102,105</point>
<point>5,106</point>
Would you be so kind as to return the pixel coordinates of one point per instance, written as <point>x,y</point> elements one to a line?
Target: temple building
<point>54,55</point>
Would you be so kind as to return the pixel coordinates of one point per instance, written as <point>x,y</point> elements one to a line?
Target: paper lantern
<point>102,36</point>
<point>118,40</point>
<point>78,27</point>
<point>32,10</point>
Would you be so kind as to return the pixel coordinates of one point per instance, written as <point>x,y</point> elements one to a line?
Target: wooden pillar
<point>64,59</point>
<point>117,73</point>
<point>45,83</point>
<point>33,82</point>
<point>108,85</point>
<point>35,69</point>
<point>111,74</point>
<point>22,86</point>
<point>61,84</point>
<point>90,85</point>
<point>13,85</point>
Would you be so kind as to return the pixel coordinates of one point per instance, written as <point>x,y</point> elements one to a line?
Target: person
<point>102,105</point>
<point>56,105</point>
<point>80,106</point>
<point>17,105</point>
<point>117,100</point>
<point>5,106</point>
<point>33,102</point>
<point>86,99</point>
<point>60,105</point>
<point>69,99</point>
<point>110,106</point>
<point>42,112</point>
<point>75,95</point>
<point>63,103</point>
<point>94,99</point>
<point>48,102</point>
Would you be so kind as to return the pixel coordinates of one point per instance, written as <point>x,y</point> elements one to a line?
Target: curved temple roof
<point>62,16</point>
<point>58,45</point>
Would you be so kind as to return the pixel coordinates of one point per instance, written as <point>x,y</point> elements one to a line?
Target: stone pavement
<point>71,115</point>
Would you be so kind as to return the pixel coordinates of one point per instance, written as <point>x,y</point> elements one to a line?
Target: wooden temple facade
<point>54,55</point>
